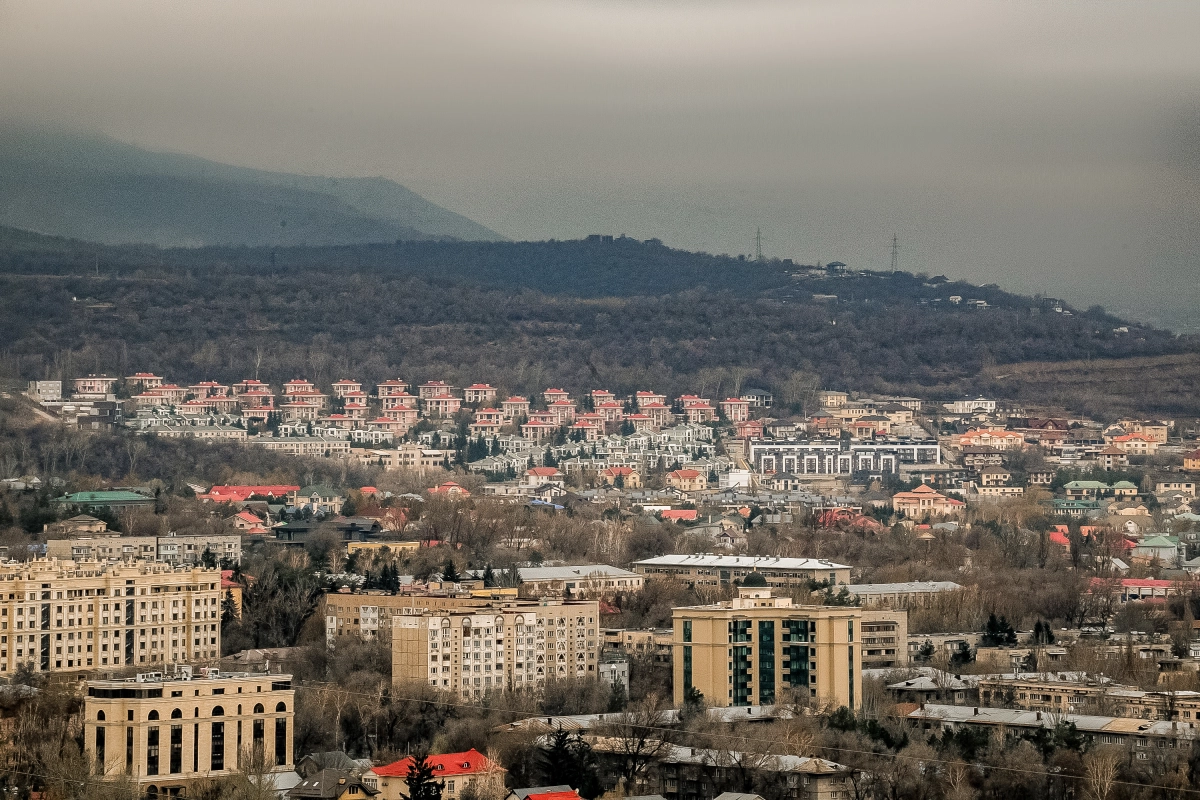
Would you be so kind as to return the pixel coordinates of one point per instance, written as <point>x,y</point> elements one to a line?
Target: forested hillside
<point>623,315</point>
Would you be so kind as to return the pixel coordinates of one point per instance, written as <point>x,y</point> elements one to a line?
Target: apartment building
<point>585,580</point>
<point>1081,693</point>
<point>304,445</point>
<point>497,645</point>
<point>884,639</point>
<point>747,650</point>
<point>167,732</point>
<point>640,642</point>
<point>704,569</point>
<point>369,614</point>
<point>58,616</point>
<point>173,548</point>
<point>837,457</point>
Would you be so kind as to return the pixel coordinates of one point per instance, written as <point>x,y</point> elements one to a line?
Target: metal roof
<point>739,562</point>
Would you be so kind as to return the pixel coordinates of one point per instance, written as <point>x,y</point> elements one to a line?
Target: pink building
<point>479,393</point>
<point>735,409</point>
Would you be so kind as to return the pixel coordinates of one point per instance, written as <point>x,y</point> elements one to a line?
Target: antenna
<point>895,253</point>
<point>758,240</point>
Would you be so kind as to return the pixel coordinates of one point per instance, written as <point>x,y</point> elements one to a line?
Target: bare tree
<point>639,737</point>
<point>1100,769</point>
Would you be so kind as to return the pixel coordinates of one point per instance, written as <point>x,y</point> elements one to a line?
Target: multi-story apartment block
<point>173,548</point>
<point>747,650</point>
<point>67,615</point>
<point>94,386</point>
<point>304,445</point>
<point>838,457</point>
<point>497,645</point>
<point>884,638</point>
<point>165,733</point>
<point>479,393</point>
<point>345,387</point>
<point>712,570</point>
<point>633,642</point>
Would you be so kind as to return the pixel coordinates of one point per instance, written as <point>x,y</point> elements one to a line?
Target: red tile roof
<point>444,766</point>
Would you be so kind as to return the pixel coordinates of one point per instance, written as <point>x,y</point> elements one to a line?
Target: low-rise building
<point>582,581</point>
<point>456,770</point>
<point>900,595</point>
<point>716,570</point>
<point>166,733</point>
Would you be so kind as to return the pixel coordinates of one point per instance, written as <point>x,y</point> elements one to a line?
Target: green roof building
<point>118,500</point>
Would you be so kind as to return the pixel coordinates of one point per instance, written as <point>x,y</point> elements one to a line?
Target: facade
<point>66,615</point>
<point>583,581</point>
<point>925,501</point>
<point>497,646</point>
<point>165,733</point>
<point>713,570</point>
<point>748,650</point>
<point>884,638</point>
<point>304,445</point>
<point>837,457</point>
<point>900,595</point>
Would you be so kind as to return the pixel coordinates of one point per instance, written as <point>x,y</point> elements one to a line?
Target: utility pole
<point>758,256</point>
<point>895,253</point>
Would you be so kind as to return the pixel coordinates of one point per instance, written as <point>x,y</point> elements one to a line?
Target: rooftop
<point>739,562</point>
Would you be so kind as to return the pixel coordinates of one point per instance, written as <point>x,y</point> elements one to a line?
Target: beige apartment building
<point>497,645</point>
<point>884,638</point>
<point>58,616</point>
<point>172,548</point>
<point>1080,693</point>
<point>369,614</point>
<point>165,732</point>
<point>747,650</point>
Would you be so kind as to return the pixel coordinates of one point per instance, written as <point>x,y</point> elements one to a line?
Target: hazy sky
<point>1049,147</point>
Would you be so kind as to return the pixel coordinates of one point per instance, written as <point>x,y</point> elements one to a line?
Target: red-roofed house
<point>434,389</point>
<point>1001,440</point>
<point>233,589</point>
<point>563,411</point>
<point>697,413</point>
<point>679,515</point>
<point>1136,589</point>
<point>750,429</point>
<point>540,476</point>
<point>442,405</point>
<point>1137,444</point>
<point>554,395</point>
<point>451,490</point>
<point>640,422</point>
<point>247,522</point>
<point>735,409</point>
<point>628,476</point>
<point>587,431</point>
<point>658,413</point>
<point>644,399</point>
<point>561,795</point>
<point>479,393</point>
<point>602,396</point>
<point>146,380</point>
<point>458,770</point>
<point>298,387</point>
<point>924,500</point>
<point>515,407</point>
<point>345,386</point>
<point>610,411</point>
<point>687,480</point>
<point>239,494</point>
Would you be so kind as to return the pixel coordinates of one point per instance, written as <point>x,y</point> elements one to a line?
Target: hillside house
<point>687,480</point>
<point>925,501</point>
<point>479,393</point>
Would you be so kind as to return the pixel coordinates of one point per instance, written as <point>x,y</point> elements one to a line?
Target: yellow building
<point>166,732</point>
<point>394,548</point>
<point>884,638</point>
<point>67,615</point>
<point>747,650</point>
<point>496,645</point>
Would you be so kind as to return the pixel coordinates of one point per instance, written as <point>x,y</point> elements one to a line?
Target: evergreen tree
<point>229,609</point>
<point>568,761</point>
<point>450,573</point>
<point>489,577</point>
<point>208,559</point>
<point>421,783</point>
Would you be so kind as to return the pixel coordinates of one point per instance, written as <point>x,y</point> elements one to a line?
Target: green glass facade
<point>766,662</point>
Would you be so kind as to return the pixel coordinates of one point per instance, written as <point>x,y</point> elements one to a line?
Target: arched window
<point>152,715</point>
<point>100,716</point>
<point>258,708</point>
<point>281,707</point>
<point>177,714</point>
<point>218,711</point>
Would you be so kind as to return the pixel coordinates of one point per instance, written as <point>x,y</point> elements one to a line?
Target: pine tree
<point>569,761</point>
<point>450,574</point>
<point>489,577</point>
<point>420,780</point>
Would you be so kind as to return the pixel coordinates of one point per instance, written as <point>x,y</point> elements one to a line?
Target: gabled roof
<point>444,766</point>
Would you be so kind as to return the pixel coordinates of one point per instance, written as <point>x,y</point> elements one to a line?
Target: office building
<point>497,645</point>
<point>748,650</point>
<point>67,615</point>
<point>166,732</point>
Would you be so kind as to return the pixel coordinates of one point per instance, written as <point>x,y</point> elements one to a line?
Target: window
<point>152,751</point>
<point>176,765</point>
<point>100,765</point>
<point>218,745</point>
<point>281,754</point>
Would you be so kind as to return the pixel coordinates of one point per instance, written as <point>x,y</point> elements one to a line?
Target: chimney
<point>975,712</point>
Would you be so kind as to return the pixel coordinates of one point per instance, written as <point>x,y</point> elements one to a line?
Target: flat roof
<point>901,588</point>
<point>569,572</point>
<point>739,562</point>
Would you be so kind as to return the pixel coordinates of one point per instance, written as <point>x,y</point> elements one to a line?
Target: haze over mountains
<point>102,190</point>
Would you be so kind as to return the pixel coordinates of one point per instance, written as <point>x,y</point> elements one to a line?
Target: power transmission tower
<point>895,253</point>
<point>758,256</point>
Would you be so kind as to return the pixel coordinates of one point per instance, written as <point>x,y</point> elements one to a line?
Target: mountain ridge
<point>101,190</point>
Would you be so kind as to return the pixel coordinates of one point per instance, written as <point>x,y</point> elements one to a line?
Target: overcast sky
<point>1048,147</point>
